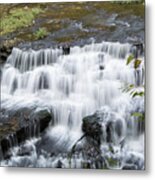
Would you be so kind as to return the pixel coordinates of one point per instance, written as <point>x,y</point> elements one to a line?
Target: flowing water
<point>88,79</point>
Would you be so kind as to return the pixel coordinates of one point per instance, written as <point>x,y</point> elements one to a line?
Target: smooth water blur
<point>73,86</point>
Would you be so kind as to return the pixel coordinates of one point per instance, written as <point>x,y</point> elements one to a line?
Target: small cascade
<point>74,86</point>
<point>29,60</point>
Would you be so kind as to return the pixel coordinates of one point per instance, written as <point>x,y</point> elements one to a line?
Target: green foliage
<point>134,93</point>
<point>130,58</point>
<point>41,33</point>
<point>137,114</point>
<point>133,90</point>
<point>140,116</point>
<point>18,18</point>
<point>137,62</point>
<point>128,88</point>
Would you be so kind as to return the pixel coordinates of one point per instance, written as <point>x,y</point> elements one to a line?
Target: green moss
<point>23,19</point>
<point>18,18</point>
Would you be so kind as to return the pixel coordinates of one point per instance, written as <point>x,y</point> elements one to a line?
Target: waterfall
<point>73,85</point>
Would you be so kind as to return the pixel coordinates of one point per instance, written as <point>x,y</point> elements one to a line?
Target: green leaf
<point>141,94</point>
<point>130,58</point>
<point>137,63</point>
<point>135,94</point>
<point>137,114</point>
<point>128,88</point>
<point>131,85</point>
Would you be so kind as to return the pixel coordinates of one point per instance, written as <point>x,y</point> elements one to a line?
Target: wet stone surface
<point>18,126</point>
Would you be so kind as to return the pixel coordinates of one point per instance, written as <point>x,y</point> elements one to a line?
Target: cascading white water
<point>73,85</point>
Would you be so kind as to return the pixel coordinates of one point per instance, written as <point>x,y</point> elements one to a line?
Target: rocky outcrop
<point>92,127</point>
<point>22,125</point>
<point>102,126</point>
<point>4,53</point>
<point>6,47</point>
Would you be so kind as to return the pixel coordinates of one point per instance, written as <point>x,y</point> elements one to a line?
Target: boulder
<point>104,125</point>
<point>22,125</point>
<point>92,127</point>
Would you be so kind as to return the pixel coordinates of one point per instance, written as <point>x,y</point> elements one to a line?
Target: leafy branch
<point>136,62</point>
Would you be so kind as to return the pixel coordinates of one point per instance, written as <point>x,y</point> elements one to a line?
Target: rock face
<point>89,144</point>
<point>4,53</point>
<point>102,126</point>
<point>6,47</point>
<point>92,128</point>
<point>21,125</point>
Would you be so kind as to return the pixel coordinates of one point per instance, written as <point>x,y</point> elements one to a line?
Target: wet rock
<point>66,49</point>
<point>6,48</point>
<point>1,154</point>
<point>129,167</point>
<point>29,123</point>
<point>5,52</point>
<point>103,125</point>
<point>101,67</point>
<point>137,49</point>
<point>89,144</point>
<point>5,145</point>
<point>44,117</point>
<point>59,164</point>
<point>92,127</point>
